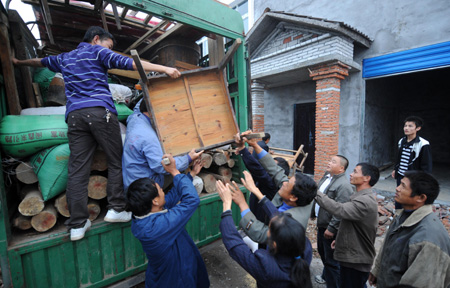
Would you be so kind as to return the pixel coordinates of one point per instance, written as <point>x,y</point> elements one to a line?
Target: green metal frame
<point>109,252</point>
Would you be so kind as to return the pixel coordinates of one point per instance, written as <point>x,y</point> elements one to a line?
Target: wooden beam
<point>47,20</point>
<point>116,15</point>
<point>194,113</point>
<point>97,5</point>
<point>8,72</point>
<point>146,93</point>
<point>147,19</point>
<point>18,26</point>
<point>145,36</point>
<point>162,37</point>
<point>102,15</point>
<point>230,53</point>
<point>216,50</point>
<point>124,13</point>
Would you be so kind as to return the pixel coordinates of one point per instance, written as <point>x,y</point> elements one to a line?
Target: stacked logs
<point>217,165</point>
<point>34,212</point>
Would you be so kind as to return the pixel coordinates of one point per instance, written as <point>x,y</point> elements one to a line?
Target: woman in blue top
<point>283,264</point>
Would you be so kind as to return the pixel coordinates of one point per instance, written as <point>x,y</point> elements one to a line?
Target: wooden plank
<point>145,36</point>
<point>193,112</point>
<point>145,90</point>
<point>37,92</point>
<point>116,16</point>
<point>230,53</point>
<point>22,49</point>
<point>8,72</point>
<point>183,66</point>
<point>162,37</point>
<point>216,50</point>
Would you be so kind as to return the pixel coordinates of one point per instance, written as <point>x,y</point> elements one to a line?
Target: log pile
<point>34,212</point>
<point>217,165</point>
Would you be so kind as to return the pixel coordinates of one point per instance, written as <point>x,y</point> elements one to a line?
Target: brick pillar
<point>258,106</point>
<point>328,93</point>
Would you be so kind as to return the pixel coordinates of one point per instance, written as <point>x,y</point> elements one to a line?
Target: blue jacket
<point>173,258</point>
<point>142,152</point>
<point>263,181</point>
<point>85,72</point>
<point>268,270</point>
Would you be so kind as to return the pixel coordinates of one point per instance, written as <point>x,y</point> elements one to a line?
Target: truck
<point>109,253</point>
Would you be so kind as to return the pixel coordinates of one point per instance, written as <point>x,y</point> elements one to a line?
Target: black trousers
<point>352,278</point>
<point>88,128</point>
<point>331,267</point>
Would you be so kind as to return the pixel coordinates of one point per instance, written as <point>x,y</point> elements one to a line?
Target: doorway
<point>304,133</point>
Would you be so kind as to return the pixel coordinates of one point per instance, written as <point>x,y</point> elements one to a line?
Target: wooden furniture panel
<point>193,111</point>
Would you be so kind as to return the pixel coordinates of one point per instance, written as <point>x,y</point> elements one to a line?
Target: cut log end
<point>25,173</point>
<point>61,205</point>
<point>22,222</point>
<point>93,209</point>
<point>32,204</point>
<point>45,220</point>
<point>97,187</point>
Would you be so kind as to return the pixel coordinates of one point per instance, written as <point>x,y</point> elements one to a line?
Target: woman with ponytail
<point>283,264</point>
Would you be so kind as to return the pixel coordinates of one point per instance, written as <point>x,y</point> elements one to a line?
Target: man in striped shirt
<point>92,120</point>
<point>414,152</point>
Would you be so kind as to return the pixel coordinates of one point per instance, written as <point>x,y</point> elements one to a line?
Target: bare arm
<point>172,72</point>
<point>34,62</point>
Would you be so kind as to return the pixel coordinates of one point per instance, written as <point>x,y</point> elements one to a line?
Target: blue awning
<point>422,58</point>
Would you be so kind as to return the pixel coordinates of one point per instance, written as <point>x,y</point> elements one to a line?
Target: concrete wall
<point>279,111</point>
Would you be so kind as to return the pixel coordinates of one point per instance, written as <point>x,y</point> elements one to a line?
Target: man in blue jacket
<point>92,120</point>
<point>159,224</point>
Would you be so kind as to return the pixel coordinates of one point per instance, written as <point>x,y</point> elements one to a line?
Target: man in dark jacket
<point>414,152</point>
<point>336,186</point>
<point>159,222</point>
<point>416,248</point>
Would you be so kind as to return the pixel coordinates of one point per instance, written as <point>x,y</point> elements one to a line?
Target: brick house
<point>327,85</point>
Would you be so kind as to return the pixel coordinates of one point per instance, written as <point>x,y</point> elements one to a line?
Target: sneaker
<point>113,216</point>
<point>78,233</point>
<point>319,279</point>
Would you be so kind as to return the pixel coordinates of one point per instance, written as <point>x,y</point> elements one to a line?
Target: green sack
<point>50,166</point>
<point>43,77</point>
<point>122,111</point>
<point>25,135</point>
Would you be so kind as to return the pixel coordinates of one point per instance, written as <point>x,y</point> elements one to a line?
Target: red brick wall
<point>328,85</point>
<point>258,106</point>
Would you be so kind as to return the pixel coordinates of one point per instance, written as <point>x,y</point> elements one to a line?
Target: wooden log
<point>25,173</point>
<point>97,187</point>
<point>45,220</point>
<point>61,205</point>
<point>225,172</point>
<point>231,163</point>
<point>99,161</point>
<point>27,189</point>
<point>22,222</point>
<point>219,158</point>
<point>32,204</point>
<point>209,182</point>
<point>94,209</point>
<point>207,160</point>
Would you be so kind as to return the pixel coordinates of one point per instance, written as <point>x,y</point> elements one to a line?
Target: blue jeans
<point>330,266</point>
<point>352,278</point>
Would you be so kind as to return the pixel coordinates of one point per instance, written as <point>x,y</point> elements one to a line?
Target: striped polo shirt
<point>405,156</point>
<point>85,72</point>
